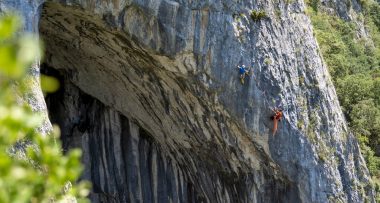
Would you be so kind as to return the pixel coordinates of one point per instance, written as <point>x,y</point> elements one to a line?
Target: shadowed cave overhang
<point>181,115</point>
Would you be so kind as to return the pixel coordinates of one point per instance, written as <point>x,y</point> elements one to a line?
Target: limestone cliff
<point>150,92</point>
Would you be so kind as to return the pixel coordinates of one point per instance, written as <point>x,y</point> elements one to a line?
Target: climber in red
<point>276,117</point>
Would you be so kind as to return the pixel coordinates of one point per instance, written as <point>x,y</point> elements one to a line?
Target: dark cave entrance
<point>88,124</point>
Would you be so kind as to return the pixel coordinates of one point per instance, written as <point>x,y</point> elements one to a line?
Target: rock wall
<point>126,164</point>
<point>348,10</point>
<point>154,83</point>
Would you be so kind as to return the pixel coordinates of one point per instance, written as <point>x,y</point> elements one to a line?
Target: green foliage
<point>322,156</point>
<point>38,171</point>
<point>352,89</point>
<point>313,4</point>
<point>300,124</point>
<point>372,11</point>
<point>376,91</point>
<point>14,54</point>
<point>277,12</point>
<point>289,1</point>
<point>344,54</point>
<point>365,117</point>
<point>258,15</point>
<point>376,183</point>
<point>365,122</point>
<point>354,64</point>
<point>267,61</point>
<point>373,162</point>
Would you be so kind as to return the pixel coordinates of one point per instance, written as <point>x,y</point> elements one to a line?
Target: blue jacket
<point>241,70</point>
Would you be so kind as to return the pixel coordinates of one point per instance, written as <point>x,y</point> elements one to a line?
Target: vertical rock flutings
<point>150,92</point>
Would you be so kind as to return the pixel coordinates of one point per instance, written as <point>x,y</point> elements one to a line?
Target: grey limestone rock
<point>150,92</point>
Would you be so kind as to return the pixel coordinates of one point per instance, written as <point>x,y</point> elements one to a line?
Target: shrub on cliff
<point>258,15</point>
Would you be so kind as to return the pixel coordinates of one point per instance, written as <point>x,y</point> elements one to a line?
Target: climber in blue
<point>243,71</point>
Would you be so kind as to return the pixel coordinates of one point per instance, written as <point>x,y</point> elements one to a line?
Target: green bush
<point>37,171</point>
<point>372,10</point>
<point>313,4</point>
<point>258,15</point>
<point>365,122</point>
<point>352,89</point>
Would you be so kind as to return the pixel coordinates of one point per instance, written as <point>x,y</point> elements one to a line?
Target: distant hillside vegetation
<point>354,64</point>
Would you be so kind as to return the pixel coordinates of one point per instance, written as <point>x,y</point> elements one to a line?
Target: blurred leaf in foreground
<point>32,166</point>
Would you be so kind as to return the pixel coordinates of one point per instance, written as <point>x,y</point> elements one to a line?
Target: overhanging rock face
<point>212,151</point>
<point>127,164</point>
<point>152,95</point>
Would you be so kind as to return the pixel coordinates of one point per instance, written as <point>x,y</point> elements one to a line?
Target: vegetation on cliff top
<point>354,64</point>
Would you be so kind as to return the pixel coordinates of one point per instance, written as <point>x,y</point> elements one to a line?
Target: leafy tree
<point>365,121</point>
<point>37,171</point>
<point>376,91</point>
<point>352,89</point>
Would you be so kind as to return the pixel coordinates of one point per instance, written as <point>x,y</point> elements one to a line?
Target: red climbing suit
<point>277,117</point>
